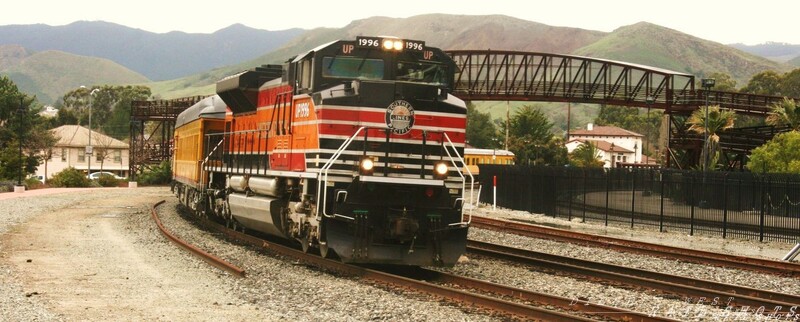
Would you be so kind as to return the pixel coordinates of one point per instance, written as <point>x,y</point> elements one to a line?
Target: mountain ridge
<point>157,56</point>
<point>49,74</point>
<point>641,43</point>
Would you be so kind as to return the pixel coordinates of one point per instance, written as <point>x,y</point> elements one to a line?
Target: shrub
<point>108,181</point>
<point>158,175</point>
<point>70,177</point>
<point>33,183</point>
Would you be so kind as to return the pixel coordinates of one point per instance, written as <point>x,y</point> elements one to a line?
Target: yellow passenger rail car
<point>473,157</point>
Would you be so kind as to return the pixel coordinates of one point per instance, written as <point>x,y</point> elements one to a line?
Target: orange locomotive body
<point>353,148</point>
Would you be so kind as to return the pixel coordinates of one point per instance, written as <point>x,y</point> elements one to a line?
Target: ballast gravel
<point>278,289</point>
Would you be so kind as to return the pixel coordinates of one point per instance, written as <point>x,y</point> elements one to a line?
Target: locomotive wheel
<point>323,249</point>
<point>305,244</point>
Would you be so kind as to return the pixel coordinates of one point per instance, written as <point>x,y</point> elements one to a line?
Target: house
<point>109,154</point>
<point>617,146</point>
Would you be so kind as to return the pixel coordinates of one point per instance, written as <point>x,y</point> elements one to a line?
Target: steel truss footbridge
<point>491,75</point>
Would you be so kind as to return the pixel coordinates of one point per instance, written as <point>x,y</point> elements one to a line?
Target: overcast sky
<point>721,21</point>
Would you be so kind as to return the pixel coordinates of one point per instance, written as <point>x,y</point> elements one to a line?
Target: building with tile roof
<point>616,145</point>
<point>109,154</point>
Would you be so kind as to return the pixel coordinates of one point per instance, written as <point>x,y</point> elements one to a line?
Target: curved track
<point>685,254</point>
<point>466,295</point>
<point>211,259</point>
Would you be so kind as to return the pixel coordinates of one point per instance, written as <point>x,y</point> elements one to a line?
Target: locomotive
<point>353,148</point>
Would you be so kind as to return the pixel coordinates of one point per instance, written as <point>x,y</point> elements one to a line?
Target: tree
<point>779,155</point>
<point>111,108</point>
<point>530,136</point>
<point>586,156</point>
<point>20,124</point>
<point>481,133</point>
<point>764,83</point>
<point>790,84</point>
<point>718,120</point>
<point>785,113</point>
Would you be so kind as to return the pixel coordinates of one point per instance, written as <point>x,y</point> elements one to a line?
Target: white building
<point>616,145</point>
<point>109,154</point>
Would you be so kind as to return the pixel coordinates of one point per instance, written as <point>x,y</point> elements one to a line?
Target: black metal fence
<point>729,204</point>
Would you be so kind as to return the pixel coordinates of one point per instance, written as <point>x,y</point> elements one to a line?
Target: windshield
<point>352,67</point>
<point>422,72</point>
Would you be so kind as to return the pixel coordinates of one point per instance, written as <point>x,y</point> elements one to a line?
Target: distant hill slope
<point>50,74</point>
<point>437,30</point>
<point>157,56</point>
<point>794,61</point>
<point>777,51</point>
<point>653,45</point>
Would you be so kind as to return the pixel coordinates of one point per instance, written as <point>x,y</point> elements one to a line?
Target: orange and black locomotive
<point>353,148</point>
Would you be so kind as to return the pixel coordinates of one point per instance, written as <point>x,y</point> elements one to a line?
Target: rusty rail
<point>625,245</point>
<point>594,309</point>
<point>736,296</point>
<point>211,259</point>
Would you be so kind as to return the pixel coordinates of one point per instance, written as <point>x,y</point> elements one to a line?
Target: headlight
<point>440,170</point>
<point>367,165</point>
<point>392,44</point>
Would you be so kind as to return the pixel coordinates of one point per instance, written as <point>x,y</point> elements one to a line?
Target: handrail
<point>463,179</point>
<point>203,164</point>
<point>322,175</point>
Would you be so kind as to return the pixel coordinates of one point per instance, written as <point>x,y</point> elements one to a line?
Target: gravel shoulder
<point>98,256</point>
<point>85,257</point>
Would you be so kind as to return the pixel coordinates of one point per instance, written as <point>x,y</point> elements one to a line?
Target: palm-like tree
<point>586,155</point>
<point>718,120</point>
<point>785,112</point>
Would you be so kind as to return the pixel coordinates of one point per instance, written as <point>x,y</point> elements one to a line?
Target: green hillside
<point>653,45</point>
<point>794,61</point>
<point>50,74</point>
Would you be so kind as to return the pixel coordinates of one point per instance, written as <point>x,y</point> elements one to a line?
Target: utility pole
<point>508,123</point>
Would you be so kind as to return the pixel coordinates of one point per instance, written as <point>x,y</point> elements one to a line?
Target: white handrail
<point>463,179</point>
<point>322,176</point>
<point>203,164</point>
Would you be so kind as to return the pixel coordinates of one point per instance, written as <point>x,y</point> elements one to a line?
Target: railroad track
<point>735,296</point>
<point>684,254</point>
<point>466,294</point>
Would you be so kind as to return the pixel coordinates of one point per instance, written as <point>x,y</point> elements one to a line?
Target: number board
<point>368,42</point>
<point>415,45</point>
<point>375,42</point>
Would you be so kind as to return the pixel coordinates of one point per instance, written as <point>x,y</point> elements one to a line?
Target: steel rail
<point>584,306</point>
<point>742,296</point>
<point>509,308</point>
<point>686,254</point>
<point>211,259</point>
